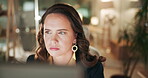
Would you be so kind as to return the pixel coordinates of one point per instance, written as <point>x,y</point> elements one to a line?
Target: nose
<point>54,39</point>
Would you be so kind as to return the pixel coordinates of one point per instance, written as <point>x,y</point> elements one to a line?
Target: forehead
<point>57,20</point>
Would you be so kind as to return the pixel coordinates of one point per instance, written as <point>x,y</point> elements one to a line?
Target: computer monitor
<point>40,71</point>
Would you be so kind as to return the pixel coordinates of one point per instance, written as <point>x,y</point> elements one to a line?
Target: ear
<point>74,41</point>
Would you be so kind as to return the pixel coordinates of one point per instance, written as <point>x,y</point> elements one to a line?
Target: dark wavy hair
<point>82,55</point>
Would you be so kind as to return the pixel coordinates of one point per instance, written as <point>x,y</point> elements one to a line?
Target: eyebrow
<point>58,30</point>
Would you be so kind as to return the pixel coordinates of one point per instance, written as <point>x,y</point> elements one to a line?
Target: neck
<point>63,59</point>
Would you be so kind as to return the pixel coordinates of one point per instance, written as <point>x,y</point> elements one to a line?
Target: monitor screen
<point>39,71</point>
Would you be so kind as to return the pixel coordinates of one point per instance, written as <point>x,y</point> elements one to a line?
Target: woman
<point>62,41</point>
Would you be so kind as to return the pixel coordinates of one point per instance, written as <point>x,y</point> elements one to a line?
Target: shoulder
<point>96,71</point>
<point>30,58</point>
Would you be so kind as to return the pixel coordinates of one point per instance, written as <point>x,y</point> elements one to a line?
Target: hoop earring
<point>74,48</point>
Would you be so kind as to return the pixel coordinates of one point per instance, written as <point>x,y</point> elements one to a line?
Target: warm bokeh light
<point>106,0</point>
<point>94,21</point>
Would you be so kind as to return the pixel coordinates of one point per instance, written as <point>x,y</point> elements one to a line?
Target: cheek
<point>67,41</point>
<point>46,40</point>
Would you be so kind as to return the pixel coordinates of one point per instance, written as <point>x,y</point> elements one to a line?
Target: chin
<point>54,55</point>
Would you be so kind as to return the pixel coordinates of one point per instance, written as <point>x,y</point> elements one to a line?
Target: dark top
<point>92,72</point>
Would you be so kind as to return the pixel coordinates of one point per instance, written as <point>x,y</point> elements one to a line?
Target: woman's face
<point>58,35</point>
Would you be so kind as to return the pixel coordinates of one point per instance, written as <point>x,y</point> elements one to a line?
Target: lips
<point>54,49</point>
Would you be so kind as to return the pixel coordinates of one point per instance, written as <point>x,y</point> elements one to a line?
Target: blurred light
<point>94,21</point>
<point>17,30</point>
<point>38,17</point>
<point>5,48</point>
<point>106,0</point>
<point>11,49</point>
<point>27,29</point>
<point>28,6</point>
<point>11,52</point>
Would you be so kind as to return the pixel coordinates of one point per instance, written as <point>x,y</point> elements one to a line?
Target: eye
<point>62,33</point>
<point>48,32</point>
